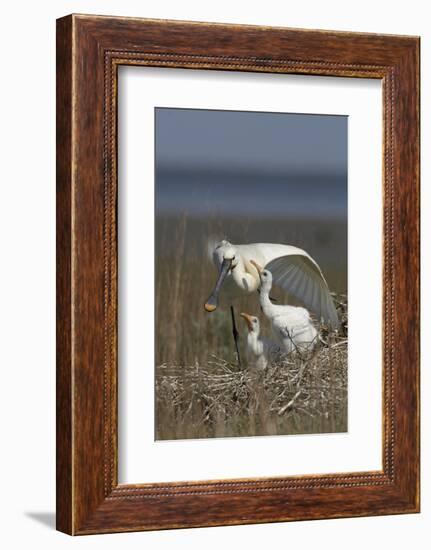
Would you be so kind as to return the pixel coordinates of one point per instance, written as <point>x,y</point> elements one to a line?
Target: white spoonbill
<point>291,325</point>
<point>292,269</point>
<point>259,348</point>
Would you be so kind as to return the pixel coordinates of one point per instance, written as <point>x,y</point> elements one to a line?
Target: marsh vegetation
<point>294,395</point>
<point>200,389</point>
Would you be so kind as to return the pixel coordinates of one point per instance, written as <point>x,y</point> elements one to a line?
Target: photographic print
<point>251,312</point>
<point>237,234</point>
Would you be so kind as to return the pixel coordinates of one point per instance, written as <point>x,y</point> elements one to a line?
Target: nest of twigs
<point>298,393</point>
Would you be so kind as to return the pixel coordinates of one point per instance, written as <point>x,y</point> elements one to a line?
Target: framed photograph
<point>237,274</point>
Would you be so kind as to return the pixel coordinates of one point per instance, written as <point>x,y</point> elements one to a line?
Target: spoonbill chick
<point>259,348</point>
<point>291,325</point>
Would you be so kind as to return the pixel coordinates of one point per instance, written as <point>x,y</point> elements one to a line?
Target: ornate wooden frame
<point>89,51</point>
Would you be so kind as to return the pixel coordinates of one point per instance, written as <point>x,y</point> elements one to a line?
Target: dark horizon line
<point>169,169</point>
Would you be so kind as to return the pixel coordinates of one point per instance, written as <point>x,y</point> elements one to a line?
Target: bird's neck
<point>255,343</point>
<point>265,302</point>
<point>243,278</point>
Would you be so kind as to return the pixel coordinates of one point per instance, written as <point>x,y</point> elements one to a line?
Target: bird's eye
<point>254,321</point>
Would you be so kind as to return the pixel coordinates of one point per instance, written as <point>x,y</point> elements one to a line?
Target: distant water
<point>203,191</point>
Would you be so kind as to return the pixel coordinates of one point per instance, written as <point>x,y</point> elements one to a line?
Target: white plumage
<point>291,325</point>
<point>259,348</point>
<point>292,269</point>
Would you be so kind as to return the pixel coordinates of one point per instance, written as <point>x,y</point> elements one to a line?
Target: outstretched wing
<point>302,277</point>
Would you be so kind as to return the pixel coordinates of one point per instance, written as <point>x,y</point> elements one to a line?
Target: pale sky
<point>251,161</point>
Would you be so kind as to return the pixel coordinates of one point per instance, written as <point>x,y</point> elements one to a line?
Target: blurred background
<point>246,177</point>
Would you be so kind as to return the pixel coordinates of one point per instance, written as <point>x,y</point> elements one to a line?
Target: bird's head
<point>226,257</point>
<point>265,276</point>
<point>224,250</point>
<point>253,324</point>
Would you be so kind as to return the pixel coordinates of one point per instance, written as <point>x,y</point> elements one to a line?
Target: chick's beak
<point>248,319</point>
